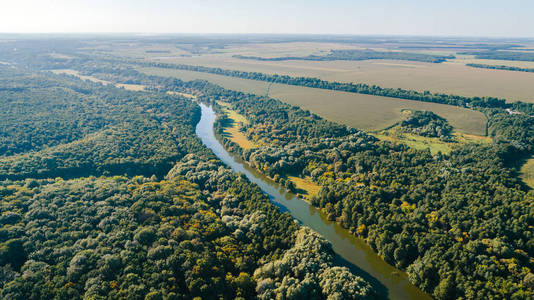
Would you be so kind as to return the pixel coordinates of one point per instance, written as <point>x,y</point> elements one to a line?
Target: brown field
<point>359,111</point>
<point>468,59</point>
<point>286,49</point>
<point>450,77</point>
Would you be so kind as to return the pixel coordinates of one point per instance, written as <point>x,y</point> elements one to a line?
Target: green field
<point>435,145</point>
<point>359,111</point>
<point>126,86</point>
<point>527,172</point>
<point>232,128</point>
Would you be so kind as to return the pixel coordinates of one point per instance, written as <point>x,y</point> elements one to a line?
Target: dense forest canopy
<point>426,123</point>
<point>61,127</point>
<point>446,219</point>
<point>108,193</point>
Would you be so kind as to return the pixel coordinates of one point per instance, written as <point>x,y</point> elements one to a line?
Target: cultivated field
<point>451,77</point>
<point>360,111</point>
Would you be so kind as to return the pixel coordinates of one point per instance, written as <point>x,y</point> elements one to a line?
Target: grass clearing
<point>434,144</point>
<point>360,111</point>
<point>305,186</point>
<point>417,142</point>
<point>231,129</point>
<point>190,96</point>
<point>130,87</point>
<point>527,172</point>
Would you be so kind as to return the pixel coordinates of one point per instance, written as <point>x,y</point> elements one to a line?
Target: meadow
<point>527,172</point>
<point>356,110</point>
<point>435,145</point>
<point>126,86</point>
<point>231,128</point>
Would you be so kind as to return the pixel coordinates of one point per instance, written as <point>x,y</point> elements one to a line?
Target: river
<point>351,251</point>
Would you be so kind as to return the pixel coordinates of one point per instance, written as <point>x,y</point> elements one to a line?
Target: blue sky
<point>409,17</point>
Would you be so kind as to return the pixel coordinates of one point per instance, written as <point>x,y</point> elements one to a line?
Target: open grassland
<point>527,172</point>
<point>417,142</point>
<point>126,86</point>
<point>435,145</point>
<point>77,74</point>
<point>187,95</point>
<point>305,186</point>
<point>231,129</point>
<point>356,110</point>
<point>449,77</point>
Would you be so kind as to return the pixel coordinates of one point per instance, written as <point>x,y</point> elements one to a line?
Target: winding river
<point>352,252</point>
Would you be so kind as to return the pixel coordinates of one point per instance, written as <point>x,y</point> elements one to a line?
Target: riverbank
<point>352,252</point>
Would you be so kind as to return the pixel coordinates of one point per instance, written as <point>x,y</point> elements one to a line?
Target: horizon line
<point>264,33</point>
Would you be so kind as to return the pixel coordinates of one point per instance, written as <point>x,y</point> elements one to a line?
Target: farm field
<point>450,77</point>
<point>356,110</point>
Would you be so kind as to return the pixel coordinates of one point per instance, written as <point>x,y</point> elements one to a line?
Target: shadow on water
<point>351,252</point>
<point>381,290</point>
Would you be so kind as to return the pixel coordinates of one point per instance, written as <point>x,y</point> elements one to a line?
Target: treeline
<point>501,55</point>
<point>520,136</point>
<point>501,67</point>
<point>355,54</point>
<point>360,88</point>
<point>460,224</point>
<point>106,68</point>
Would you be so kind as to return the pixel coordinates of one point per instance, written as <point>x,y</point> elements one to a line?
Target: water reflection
<point>352,252</point>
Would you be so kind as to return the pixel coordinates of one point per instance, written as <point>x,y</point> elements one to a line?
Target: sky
<point>487,18</point>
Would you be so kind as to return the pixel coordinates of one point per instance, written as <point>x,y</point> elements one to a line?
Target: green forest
<point>426,123</point>
<point>460,224</point>
<point>108,194</point>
